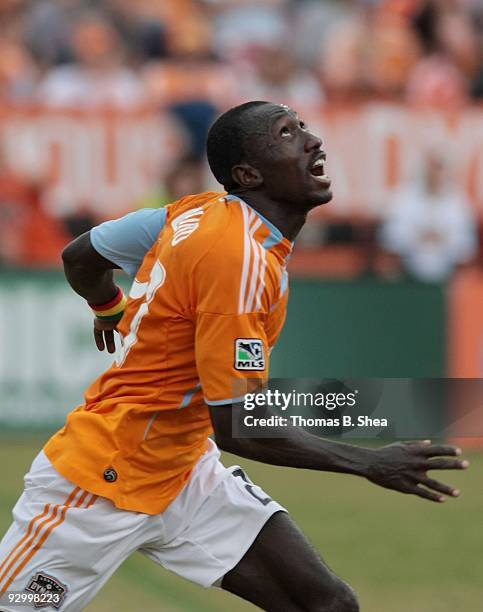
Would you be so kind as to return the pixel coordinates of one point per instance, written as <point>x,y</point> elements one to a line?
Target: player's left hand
<point>104,334</point>
<point>403,466</point>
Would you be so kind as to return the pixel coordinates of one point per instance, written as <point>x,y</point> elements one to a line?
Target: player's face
<point>292,162</point>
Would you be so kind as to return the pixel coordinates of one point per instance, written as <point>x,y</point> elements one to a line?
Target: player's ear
<point>246,176</point>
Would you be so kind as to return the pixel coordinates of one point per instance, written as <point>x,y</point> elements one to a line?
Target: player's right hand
<point>403,466</point>
<point>104,334</point>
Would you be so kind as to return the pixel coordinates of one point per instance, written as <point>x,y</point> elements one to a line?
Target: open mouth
<point>317,170</point>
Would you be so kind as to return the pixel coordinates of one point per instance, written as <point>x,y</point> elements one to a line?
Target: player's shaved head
<point>232,137</point>
<point>266,154</point>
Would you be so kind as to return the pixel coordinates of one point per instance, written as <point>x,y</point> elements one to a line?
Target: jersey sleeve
<point>231,348</point>
<point>126,241</point>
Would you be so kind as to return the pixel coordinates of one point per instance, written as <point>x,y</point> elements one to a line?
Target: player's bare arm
<point>401,466</point>
<point>91,276</point>
<point>90,259</point>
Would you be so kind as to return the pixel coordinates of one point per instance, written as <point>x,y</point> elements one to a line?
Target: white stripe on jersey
<point>262,278</point>
<point>256,264</point>
<point>254,281</point>
<point>246,258</point>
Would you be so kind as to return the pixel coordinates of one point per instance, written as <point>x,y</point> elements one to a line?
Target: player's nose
<point>312,142</point>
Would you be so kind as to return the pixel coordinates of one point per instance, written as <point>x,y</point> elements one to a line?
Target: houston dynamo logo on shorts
<point>51,591</point>
<point>249,354</point>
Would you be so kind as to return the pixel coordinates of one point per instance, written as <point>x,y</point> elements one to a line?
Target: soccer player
<point>135,468</point>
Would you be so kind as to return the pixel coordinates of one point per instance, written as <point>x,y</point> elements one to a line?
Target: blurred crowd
<point>194,58</point>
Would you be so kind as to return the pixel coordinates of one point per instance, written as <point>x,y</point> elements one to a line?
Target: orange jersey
<point>204,310</point>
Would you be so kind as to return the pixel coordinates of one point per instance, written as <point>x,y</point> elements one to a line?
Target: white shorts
<point>65,543</point>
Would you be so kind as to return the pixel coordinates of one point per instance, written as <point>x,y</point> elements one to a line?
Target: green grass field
<point>400,553</point>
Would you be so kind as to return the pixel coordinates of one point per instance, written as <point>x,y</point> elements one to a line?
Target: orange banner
<point>109,161</point>
<point>102,162</point>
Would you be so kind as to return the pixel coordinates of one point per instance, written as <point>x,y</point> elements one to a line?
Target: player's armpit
<point>221,419</point>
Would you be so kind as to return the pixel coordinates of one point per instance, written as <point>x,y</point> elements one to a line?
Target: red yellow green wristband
<point>112,310</point>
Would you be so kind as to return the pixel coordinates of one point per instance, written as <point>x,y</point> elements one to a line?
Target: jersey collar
<point>275,239</point>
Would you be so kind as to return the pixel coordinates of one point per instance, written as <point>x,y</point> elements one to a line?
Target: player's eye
<point>303,125</point>
<point>285,131</point>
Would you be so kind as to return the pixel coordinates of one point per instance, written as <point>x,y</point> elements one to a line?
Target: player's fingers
<point>438,450</point>
<point>99,339</point>
<point>426,494</point>
<point>447,464</point>
<point>418,443</point>
<point>109,339</point>
<point>439,486</point>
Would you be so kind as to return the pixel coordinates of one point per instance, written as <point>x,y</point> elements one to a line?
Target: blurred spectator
<point>190,78</point>
<point>12,17</point>
<point>477,81</point>
<point>196,117</point>
<point>177,21</point>
<point>457,35</point>
<point>80,221</point>
<point>477,86</point>
<point>29,237</point>
<point>187,176</point>
<point>310,23</point>
<point>48,30</point>
<point>452,57</point>
<point>429,225</point>
<point>243,25</point>
<point>142,30</point>
<point>192,72</point>
<point>193,83</point>
<point>342,60</point>
<point>278,76</point>
<point>370,52</point>
<point>18,73</point>
<point>99,79</point>
<point>437,83</point>
<point>392,52</point>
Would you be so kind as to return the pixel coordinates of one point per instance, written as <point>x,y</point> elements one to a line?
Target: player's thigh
<point>282,571</point>
<point>212,523</point>
<point>63,541</point>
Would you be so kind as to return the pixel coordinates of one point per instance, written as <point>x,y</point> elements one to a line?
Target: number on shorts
<point>249,486</point>
<point>156,280</point>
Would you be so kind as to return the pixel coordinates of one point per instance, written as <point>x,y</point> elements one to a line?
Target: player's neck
<point>289,224</point>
